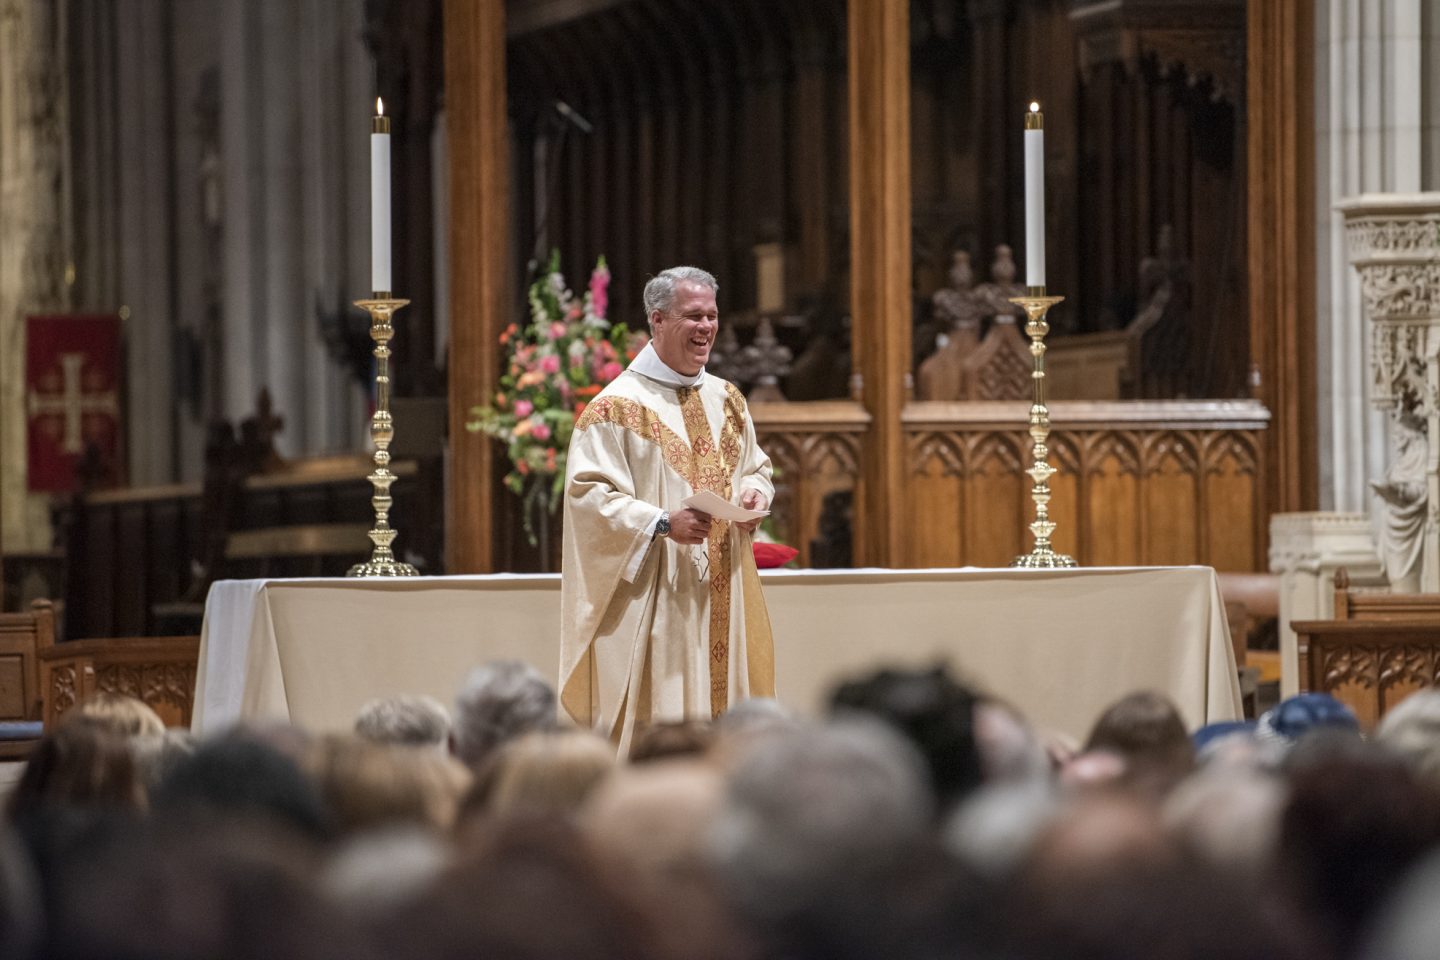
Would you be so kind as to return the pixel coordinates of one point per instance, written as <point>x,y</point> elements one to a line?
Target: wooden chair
<point>1372,605</point>
<point>23,636</point>
<point>158,670</point>
<point>1379,649</point>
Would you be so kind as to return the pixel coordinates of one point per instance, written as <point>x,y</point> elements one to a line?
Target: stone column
<point>1368,137</point>
<point>1305,550</point>
<point>1374,110</point>
<point>34,192</point>
<point>295,101</point>
<point>1394,242</point>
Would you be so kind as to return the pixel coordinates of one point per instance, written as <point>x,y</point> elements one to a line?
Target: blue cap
<point>1215,732</point>
<point>1297,716</point>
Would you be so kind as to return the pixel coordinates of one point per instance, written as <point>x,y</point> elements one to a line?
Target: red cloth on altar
<point>72,399</point>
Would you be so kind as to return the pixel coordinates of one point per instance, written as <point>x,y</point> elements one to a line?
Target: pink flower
<point>523,408</point>
<point>600,289</point>
<point>557,330</point>
<point>550,363</point>
<point>610,371</point>
<point>540,432</point>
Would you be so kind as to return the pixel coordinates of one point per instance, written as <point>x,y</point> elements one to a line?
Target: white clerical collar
<point>648,362</point>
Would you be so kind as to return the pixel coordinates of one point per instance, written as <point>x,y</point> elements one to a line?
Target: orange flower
<point>580,408</point>
<point>589,390</point>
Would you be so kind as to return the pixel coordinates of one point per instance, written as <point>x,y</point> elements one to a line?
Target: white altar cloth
<point>1059,644</point>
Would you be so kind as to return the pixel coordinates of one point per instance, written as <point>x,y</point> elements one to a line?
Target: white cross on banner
<point>72,400</point>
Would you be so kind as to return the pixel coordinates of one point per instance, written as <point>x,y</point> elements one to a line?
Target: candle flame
<point>379,107</point>
<point>1034,106</point>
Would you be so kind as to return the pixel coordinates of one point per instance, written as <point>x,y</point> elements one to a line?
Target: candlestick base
<point>382,568</point>
<point>382,561</point>
<point>1049,560</point>
<point>1036,306</point>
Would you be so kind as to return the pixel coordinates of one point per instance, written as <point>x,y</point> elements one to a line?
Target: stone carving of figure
<point>957,313</point>
<point>955,305</point>
<point>994,296</point>
<point>1402,493</point>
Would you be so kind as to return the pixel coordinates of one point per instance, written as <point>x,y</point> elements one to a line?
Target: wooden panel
<point>998,506</point>
<point>1112,482</point>
<point>815,449</point>
<point>1280,207</point>
<point>158,670</point>
<point>23,636</point>
<point>1171,504</point>
<point>132,543</point>
<point>1369,665</point>
<point>935,503</point>
<point>1233,490</point>
<point>14,704</point>
<point>880,262</point>
<point>1138,482</point>
<point>1163,482</point>
<point>477,136</point>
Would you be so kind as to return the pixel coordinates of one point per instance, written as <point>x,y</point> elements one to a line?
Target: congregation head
<point>404,720</point>
<point>499,702</point>
<point>921,819</point>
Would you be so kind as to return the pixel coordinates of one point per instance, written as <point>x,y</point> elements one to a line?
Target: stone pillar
<point>1305,550</point>
<point>34,196</point>
<point>1374,113</point>
<point>295,100</point>
<point>1394,242</point>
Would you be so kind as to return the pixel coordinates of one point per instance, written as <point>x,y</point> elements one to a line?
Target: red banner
<point>73,400</point>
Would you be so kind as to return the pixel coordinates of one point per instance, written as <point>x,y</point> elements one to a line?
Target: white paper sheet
<point>707,501</point>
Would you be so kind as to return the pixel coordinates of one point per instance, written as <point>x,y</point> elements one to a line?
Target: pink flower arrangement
<point>555,365</point>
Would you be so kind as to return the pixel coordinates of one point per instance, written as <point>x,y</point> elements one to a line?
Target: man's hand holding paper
<point>747,515</point>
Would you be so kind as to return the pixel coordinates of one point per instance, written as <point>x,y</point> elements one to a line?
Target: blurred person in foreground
<point>933,712</point>
<point>407,721</point>
<point>500,701</point>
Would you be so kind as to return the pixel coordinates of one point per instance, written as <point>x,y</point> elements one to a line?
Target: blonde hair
<point>368,785</point>
<point>122,715</point>
<point>547,773</point>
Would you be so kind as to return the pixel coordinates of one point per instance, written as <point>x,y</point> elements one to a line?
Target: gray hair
<point>381,869</point>
<point>804,808</point>
<point>660,291</point>
<point>404,721</point>
<point>1412,730</point>
<point>995,828</point>
<point>500,701</point>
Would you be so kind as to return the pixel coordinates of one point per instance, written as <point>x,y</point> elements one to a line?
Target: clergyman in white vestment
<point>662,615</point>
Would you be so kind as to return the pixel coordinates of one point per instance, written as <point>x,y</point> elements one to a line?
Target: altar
<point>1058,644</point>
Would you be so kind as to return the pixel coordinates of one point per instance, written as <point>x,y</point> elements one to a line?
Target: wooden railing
<point>815,448</point>
<point>1139,482</point>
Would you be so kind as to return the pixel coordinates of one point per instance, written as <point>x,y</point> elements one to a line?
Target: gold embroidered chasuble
<point>654,630</point>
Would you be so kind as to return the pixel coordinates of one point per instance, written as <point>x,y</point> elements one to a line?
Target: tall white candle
<point>1034,197</point>
<point>380,200</point>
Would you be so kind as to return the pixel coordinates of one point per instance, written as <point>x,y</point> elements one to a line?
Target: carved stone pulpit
<point>1394,242</point>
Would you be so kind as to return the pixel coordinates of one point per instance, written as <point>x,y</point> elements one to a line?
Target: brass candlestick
<point>381,308</point>
<point>1036,305</point>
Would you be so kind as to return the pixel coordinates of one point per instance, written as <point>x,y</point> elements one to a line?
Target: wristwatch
<point>662,526</point>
